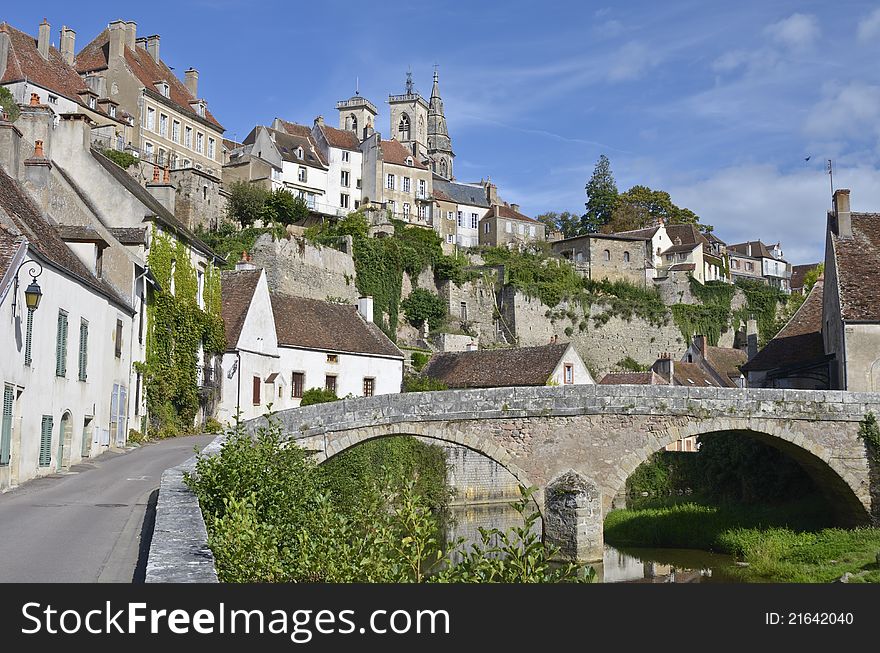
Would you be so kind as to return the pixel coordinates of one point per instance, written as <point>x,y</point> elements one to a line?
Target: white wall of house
<point>335,189</point>
<point>579,374</point>
<point>467,227</point>
<point>659,244</point>
<point>39,391</point>
<point>313,189</point>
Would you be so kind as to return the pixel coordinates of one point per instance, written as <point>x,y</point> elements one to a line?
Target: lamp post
<point>32,294</point>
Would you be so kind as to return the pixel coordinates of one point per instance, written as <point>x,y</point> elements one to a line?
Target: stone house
<point>396,180</point>
<point>172,126</point>
<point>66,368</point>
<point>553,364</point>
<point>607,256</point>
<point>471,203</point>
<point>505,226</point>
<point>681,248</point>
<point>721,363</point>
<point>754,256</point>
<point>444,211</point>
<point>851,300</point>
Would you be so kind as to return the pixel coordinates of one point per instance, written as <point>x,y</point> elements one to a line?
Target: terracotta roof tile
<point>798,272</point>
<point>237,290</point>
<point>340,138</point>
<point>394,152</point>
<point>858,260</point>
<point>799,341</point>
<point>688,233</point>
<point>692,375</point>
<point>315,324</point>
<point>496,368</point>
<point>632,378</point>
<point>295,129</point>
<point>509,213</point>
<point>682,267</point>
<point>9,244</point>
<point>26,62</point>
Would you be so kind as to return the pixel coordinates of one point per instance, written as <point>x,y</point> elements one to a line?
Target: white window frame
<point>389,181</point>
<point>407,184</point>
<point>175,131</point>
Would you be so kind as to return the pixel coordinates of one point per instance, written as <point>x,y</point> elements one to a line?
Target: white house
<point>471,205</point>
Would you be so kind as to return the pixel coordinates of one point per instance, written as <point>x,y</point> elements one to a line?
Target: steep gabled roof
<point>95,56</point>
<point>496,368</point>
<point>858,261</point>
<point>394,152</point>
<point>462,193</point>
<point>288,143</point>
<point>315,324</point>
<point>26,63</point>
<point>237,291</point>
<point>688,233</point>
<point>726,361</point>
<point>756,247</point>
<point>509,214</point>
<point>10,242</point>
<point>798,272</point>
<point>344,140</point>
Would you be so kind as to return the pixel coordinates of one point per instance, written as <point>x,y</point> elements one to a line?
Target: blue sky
<point>718,103</point>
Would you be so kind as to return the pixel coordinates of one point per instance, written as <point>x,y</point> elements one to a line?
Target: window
<point>343,200</point>
<point>332,358</point>
<point>160,157</point>
<point>403,128</point>
<point>532,230</point>
<point>407,184</point>
<point>200,142</point>
<point>297,384</point>
<point>521,229</point>
<point>93,102</point>
<point>450,215</point>
<point>53,99</point>
<point>118,338</point>
<point>356,204</point>
<point>750,266</point>
<point>148,151</point>
<point>568,377</point>
<point>422,186</point>
<point>276,174</point>
<point>463,311</point>
<point>200,288</point>
<point>508,227</point>
<point>475,219</point>
<point>406,210</point>
<point>151,119</point>
<point>734,264</point>
<point>212,144</point>
<point>46,441</point>
<point>423,211</point>
<point>188,137</point>
<point>6,424</point>
<point>112,110</point>
<point>486,227</point>
<point>369,387</point>
<point>409,160</point>
<point>83,349</point>
<point>257,386</point>
<point>389,182</point>
<point>670,257</point>
<point>28,338</point>
<point>393,206</point>
<point>606,255</point>
<point>330,383</point>
<point>344,178</point>
<point>345,156</point>
<point>163,125</point>
<point>299,153</point>
<point>175,131</point>
<point>450,238</point>
<point>626,257</point>
<point>61,345</point>
<point>358,184</point>
<point>302,174</point>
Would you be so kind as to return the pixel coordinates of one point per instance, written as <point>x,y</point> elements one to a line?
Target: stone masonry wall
<point>474,478</point>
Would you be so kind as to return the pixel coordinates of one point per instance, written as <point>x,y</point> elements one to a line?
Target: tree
<point>601,197</point>
<point>8,104</point>
<point>285,208</point>
<point>811,277</point>
<point>424,306</point>
<point>247,203</point>
<point>640,207</point>
<point>567,223</point>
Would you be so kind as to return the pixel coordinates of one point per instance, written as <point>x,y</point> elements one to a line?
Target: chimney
<point>141,42</point>
<point>245,263</point>
<point>68,41</point>
<point>164,191</point>
<point>130,34</point>
<point>37,170</point>
<point>35,99</point>
<point>515,207</point>
<point>319,120</point>
<point>700,343</point>
<point>117,39</point>
<point>43,39</point>
<point>191,81</point>
<point>842,212</point>
<point>751,337</point>
<point>10,145</point>
<point>4,47</point>
<point>365,307</point>
<point>665,367</point>
<point>153,47</point>
<point>497,210</point>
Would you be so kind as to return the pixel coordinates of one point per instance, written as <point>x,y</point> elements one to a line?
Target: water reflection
<point>626,565</point>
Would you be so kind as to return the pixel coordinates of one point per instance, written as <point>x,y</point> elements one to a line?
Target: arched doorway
<point>65,437</point>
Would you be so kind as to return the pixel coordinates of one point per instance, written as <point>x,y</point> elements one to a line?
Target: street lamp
<point>32,294</point>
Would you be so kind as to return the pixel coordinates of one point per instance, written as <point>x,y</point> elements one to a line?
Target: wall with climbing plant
<point>177,329</point>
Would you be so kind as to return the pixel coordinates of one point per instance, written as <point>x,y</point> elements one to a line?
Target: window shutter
<point>61,346</point>
<point>46,441</point>
<point>83,350</point>
<point>6,425</point>
<point>28,338</point>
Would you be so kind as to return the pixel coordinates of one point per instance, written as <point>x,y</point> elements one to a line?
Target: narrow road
<point>85,526</point>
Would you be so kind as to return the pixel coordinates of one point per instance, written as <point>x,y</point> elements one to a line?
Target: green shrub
<point>424,306</point>
<point>317,396</point>
<point>123,159</point>
<point>8,103</point>
<point>420,383</point>
<point>419,360</point>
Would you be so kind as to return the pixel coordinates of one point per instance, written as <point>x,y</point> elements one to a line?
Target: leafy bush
<point>452,268</point>
<point>282,207</point>
<point>419,383</point>
<point>424,306</point>
<point>247,203</point>
<point>419,360</point>
<point>123,159</point>
<point>229,241</point>
<point>317,396</point>
<point>8,104</point>
<point>630,364</point>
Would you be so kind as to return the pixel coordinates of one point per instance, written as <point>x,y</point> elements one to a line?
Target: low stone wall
<point>179,550</point>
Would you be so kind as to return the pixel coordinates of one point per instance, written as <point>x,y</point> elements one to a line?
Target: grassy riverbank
<point>780,543</point>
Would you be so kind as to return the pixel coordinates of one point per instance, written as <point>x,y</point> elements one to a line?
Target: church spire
<point>439,143</point>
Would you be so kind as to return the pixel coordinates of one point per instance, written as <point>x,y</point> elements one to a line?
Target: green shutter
<point>83,350</point>
<point>61,345</point>
<point>46,441</point>
<point>28,338</point>
<point>6,425</point>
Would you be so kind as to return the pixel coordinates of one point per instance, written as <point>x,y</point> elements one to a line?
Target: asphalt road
<point>85,525</point>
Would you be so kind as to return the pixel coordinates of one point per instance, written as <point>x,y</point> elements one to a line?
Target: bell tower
<point>439,143</point>
<point>409,119</point>
<point>358,115</point>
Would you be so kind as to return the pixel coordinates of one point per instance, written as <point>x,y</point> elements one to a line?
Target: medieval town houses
<point>79,237</point>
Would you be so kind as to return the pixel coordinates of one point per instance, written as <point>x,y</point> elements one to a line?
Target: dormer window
<point>93,103</point>
<point>299,153</point>
<point>409,161</point>
<point>163,88</point>
<point>112,111</point>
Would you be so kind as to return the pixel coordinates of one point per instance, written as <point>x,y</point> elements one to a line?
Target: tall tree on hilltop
<point>641,207</point>
<point>601,197</point>
<point>567,223</point>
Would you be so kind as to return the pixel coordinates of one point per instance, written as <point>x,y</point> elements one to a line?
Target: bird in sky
<point>808,158</point>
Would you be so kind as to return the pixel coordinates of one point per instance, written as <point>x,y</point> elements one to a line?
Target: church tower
<point>439,143</point>
<point>409,120</point>
<point>358,115</point>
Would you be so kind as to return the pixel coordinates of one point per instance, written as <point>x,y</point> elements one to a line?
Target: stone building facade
<point>608,257</point>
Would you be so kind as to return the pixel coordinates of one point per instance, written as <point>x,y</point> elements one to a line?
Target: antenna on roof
<point>831,174</point>
<point>409,82</point>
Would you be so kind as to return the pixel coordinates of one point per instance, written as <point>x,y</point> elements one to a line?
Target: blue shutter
<point>46,441</point>
<point>83,350</point>
<point>6,425</point>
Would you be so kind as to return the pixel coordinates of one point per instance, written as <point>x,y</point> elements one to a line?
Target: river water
<point>624,565</point>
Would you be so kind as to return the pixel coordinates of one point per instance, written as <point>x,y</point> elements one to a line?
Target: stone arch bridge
<point>578,444</point>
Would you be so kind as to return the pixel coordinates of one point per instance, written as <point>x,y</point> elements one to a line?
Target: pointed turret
<point>439,143</point>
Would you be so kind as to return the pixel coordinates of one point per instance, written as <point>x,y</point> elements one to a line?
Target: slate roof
<point>9,244</point>
<point>496,368</point>
<point>757,248</point>
<point>394,152</point>
<point>799,341</point>
<point>128,235</point>
<point>94,57</point>
<point>726,361</point>
<point>691,375</point>
<point>80,233</point>
<point>163,215</point>
<point>237,290</point>
<point>462,193</point>
<point>632,378</point>
<point>344,140</point>
<point>26,63</point>
<point>288,143</point>
<point>315,324</point>
<point>25,220</point>
<point>798,272</point>
<point>510,214</point>
<point>858,260</point>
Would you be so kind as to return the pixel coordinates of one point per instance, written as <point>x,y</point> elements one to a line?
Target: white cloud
<point>869,27</point>
<point>630,62</point>
<point>798,31</point>
<point>851,110</point>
